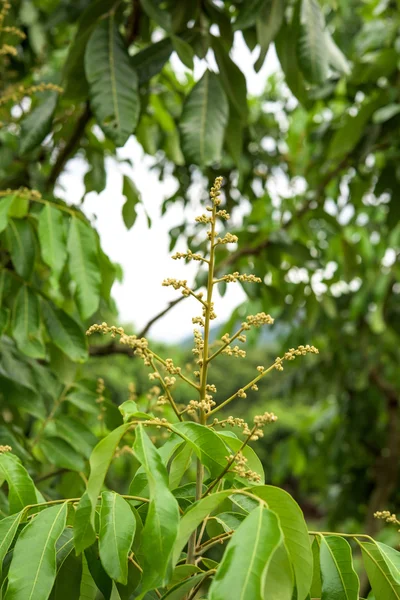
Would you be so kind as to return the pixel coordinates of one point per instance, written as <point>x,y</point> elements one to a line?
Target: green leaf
<point>65,333</point>
<point>26,323</point>
<point>37,124</point>
<point>5,204</point>
<point>184,51</point>
<point>95,178</point>
<point>295,533</point>
<point>336,58</point>
<point>384,585</point>
<point>100,461</point>
<point>8,529</point>
<point>268,24</point>
<point>233,443</point>
<point>58,452</point>
<point>129,410</point>
<point>194,516</point>
<point>286,49</point>
<point>180,590</point>
<point>22,245</point>
<point>117,530</point>
<point>316,585</point>
<point>203,121</point>
<point>391,558</point>
<point>33,566</point>
<point>84,266</point>
<point>385,113</point>
<point>132,195</point>
<point>20,206</point>
<point>84,400</point>
<point>68,579</point>
<point>74,67</point>
<point>180,465</point>
<point>75,432</point>
<point>245,561</point>
<point>279,582</point>
<point>161,526</point>
<point>232,79</point>
<point>313,55</point>
<point>21,489</point>
<point>52,239</point>
<point>150,61</point>
<point>248,13</point>
<point>206,443</point>
<point>339,580</point>
<point>342,143</point>
<point>88,588</point>
<point>157,13</point>
<point>112,82</point>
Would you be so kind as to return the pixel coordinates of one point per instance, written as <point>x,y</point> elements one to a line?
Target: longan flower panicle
<point>240,468</point>
<point>387,516</point>
<point>5,448</point>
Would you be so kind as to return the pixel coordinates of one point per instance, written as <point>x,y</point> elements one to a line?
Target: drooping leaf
<point>194,516</point>
<point>313,54</point>
<point>384,585</point>
<point>179,465</point>
<point>268,24</point>
<point>52,239</point>
<point>22,245</point>
<point>68,579</point>
<point>203,121</point>
<point>112,82</point>
<point>248,13</point>
<point>391,558</point>
<point>117,530</point>
<point>58,452</point>
<point>132,195</point>
<point>279,580</point>
<point>286,49</point>
<point>37,124</point>
<point>8,529</point>
<point>33,567</point>
<point>180,590</point>
<point>336,58</point>
<point>65,333</point>
<point>21,489</point>
<point>84,266</point>
<point>75,432</point>
<point>26,323</point>
<point>96,177</point>
<point>161,526</point>
<point>295,533</point>
<point>316,585</point>
<point>149,61</point>
<point>100,460</point>
<point>206,444</point>
<point>232,79</point>
<point>245,561</point>
<point>157,13</point>
<point>339,580</point>
<point>184,50</point>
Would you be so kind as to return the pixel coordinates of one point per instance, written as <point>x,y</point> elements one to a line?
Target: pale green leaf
<point>339,580</point>
<point>384,585</point>
<point>232,79</point>
<point>184,50</point>
<point>161,526</point>
<point>26,323</point>
<point>391,558</point>
<point>336,58</point>
<point>8,529</point>
<point>22,246</point>
<point>279,581</point>
<point>268,24</point>
<point>112,81</point>
<point>100,461</point>
<point>203,121</point>
<point>52,239</point>
<point>5,204</point>
<point>117,530</point>
<point>180,465</point>
<point>21,489</point>
<point>295,533</point>
<point>84,266</point>
<point>242,570</point>
<point>33,567</point>
<point>65,333</point>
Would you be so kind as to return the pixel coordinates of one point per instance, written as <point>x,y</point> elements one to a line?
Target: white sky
<point>143,253</point>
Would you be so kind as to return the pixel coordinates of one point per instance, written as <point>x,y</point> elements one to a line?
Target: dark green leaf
<point>22,245</point>
<point>65,333</point>
<point>179,465</point>
<point>232,79</point>
<point>203,121</point>
<point>313,54</point>
<point>157,13</point>
<point>5,204</point>
<point>268,24</point>
<point>184,50</point>
<point>150,61</point>
<point>180,590</point>
<point>8,529</point>
<point>132,195</point>
<point>112,82</point>
<point>37,124</point>
<point>26,323</point>
<point>206,444</point>
<point>286,49</point>
<point>58,452</point>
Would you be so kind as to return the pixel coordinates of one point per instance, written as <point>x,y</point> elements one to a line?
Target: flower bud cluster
<point>258,320</point>
<point>169,365</point>
<point>5,448</point>
<point>240,468</point>
<point>236,276</point>
<point>387,516</point>
<point>235,351</point>
<point>206,405</point>
<point>188,255</point>
<point>229,238</point>
<point>292,353</point>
